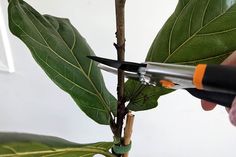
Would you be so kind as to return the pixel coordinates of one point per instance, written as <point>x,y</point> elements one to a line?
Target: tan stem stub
<point>128,130</point>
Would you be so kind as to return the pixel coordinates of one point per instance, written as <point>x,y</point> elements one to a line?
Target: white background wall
<point>30,102</point>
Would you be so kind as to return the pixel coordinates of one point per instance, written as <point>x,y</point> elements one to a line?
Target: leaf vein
<point>214,33</point>
<point>204,13</point>
<point>75,40</point>
<point>173,27</point>
<point>9,148</point>
<point>94,108</point>
<point>204,59</point>
<point>143,97</point>
<point>90,68</point>
<point>190,22</point>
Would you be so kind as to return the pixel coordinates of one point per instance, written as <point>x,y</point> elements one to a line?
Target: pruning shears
<point>214,83</point>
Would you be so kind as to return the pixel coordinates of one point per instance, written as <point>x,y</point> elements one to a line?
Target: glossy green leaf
<point>142,97</point>
<point>61,52</point>
<point>29,145</point>
<point>199,31</point>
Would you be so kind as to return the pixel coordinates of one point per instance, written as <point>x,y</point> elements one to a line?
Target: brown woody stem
<point>117,126</point>
<point>120,46</point>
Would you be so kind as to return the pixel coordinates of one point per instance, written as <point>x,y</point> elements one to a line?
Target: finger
<point>232,113</point>
<point>231,60</point>
<point>207,106</point>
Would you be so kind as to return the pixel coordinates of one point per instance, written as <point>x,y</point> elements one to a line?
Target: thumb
<point>232,113</point>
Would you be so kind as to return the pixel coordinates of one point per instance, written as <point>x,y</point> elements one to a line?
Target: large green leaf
<point>142,97</point>
<point>61,51</point>
<point>199,31</point>
<point>29,145</point>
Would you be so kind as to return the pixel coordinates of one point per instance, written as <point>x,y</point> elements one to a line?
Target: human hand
<point>207,106</point>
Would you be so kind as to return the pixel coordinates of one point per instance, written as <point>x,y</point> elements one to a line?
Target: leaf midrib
<point>172,29</point>
<point>56,151</point>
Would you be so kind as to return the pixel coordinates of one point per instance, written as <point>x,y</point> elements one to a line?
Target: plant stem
<point>120,46</point>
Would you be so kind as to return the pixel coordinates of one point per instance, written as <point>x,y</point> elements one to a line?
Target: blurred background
<point>30,102</point>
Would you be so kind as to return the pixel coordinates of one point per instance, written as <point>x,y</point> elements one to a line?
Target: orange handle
<point>199,75</point>
<point>216,78</point>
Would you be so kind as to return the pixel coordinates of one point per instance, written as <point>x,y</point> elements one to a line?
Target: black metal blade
<point>126,66</point>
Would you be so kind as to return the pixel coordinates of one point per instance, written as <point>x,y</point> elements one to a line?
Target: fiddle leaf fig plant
<point>199,31</point>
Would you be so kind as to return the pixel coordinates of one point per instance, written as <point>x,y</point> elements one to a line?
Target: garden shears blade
<point>215,83</point>
<point>130,68</point>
